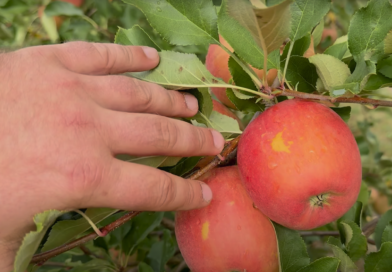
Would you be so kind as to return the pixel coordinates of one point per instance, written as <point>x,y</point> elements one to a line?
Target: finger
<point>148,134</point>
<point>123,93</point>
<point>137,187</point>
<point>105,58</point>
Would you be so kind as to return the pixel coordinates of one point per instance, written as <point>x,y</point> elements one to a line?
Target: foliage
<point>269,34</point>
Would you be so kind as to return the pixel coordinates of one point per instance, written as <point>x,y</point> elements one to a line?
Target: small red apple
<point>300,164</point>
<point>229,234</point>
<point>217,63</point>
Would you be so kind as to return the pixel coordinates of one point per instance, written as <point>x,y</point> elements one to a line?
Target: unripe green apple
<point>300,164</point>
<point>229,234</point>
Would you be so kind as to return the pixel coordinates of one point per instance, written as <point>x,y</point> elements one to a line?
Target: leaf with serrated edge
<point>387,234</point>
<point>240,77</point>
<point>299,47</point>
<point>363,70</point>
<point>380,261</point>
<point>224,124</point>
<point>332,71</point>
<point>369,26</point>
<point>356,243</point>
<point>382,223</point>
<point>300,71</point>
<point>134,36</point>
<point>326,264</point>
<point>181,22</point>
<point>346,264</point>
<point>160,252</point>
<point>246,105</point>
<point>305,15</point>
<point>274,24</point>
<point>237,24</point>
<point>181,71</point>
<point>292,249</point>
<point>64,231</point>
<point>32,239</point>
<point>385,67</point>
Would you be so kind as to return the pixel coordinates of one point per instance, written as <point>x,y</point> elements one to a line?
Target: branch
<point>370,227</point>
<point>355,99</point>
<point>319,233</point>
<point>44,256</point>
<point>41,258</point>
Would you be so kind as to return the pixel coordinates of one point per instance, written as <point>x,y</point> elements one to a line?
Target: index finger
<point>106,58</point>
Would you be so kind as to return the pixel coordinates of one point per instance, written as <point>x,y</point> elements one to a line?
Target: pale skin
<point>65,115</point>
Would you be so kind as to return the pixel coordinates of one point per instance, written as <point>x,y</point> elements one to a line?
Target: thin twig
<point>180,267</point>
<point>355,99</point>
<point>370,227</point>
<point>169,224</point>
<point>42,257</point>
<point>319,233</point>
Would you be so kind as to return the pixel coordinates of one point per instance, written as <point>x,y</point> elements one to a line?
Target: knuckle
<point>200,138</point>
<point>167,190</point>
<point>165,134</point>
<point>143,95</point>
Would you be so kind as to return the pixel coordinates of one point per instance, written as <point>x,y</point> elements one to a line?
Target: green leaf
<point>181,71</point>
<point>354,214</point>
<point>343,112</point>
<point>332,71</point>
<point>299,48</point>
<point>153,161</point>
<point>338,50</point>
<point>161,252</point>
<point>240,77</point>
<point>346,264</point>
<point>237,24</point>
<point>134,36</point>
<point>247,106</point>
<point>318,33</point>
<point>64,231</point>
<point>142,225</point>
<point>184,166</point>
<point>292,249</point>
<point>387,234</point>
<point>204,98</point>
<point>325,264</point>
<point>227,126</point>
<point>58,8</point>
<point>143,267</point>
<point>380,261</point>
<point>388,43</point>
<point>274,24</point>
<point>32,240</point>
<point>376,82</point>
<point>381,225</point>
<point>92,265</point>
<point>356,242</point>
<point>300,71</point>
<point>357,80</point>
<point>181,22</point>
<point>369,26</point>
<point>385,67</point>
<point>364,194</point>
<point>305,15</point>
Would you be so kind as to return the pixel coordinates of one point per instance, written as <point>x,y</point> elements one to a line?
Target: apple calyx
<point>319,200</point>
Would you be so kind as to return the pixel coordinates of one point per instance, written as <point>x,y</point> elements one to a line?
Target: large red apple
<point>300,164</point>
<point>217,63</point>
<point>229,234</point>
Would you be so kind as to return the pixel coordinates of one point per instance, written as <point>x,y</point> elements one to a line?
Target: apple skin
<point>219,107</point>
<point>217,63</point>
<point>293,152</point>
<point>229,234</point>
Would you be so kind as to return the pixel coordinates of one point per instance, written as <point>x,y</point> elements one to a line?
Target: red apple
<point>229,234</point>
<point>300,164</point>
<point>217,106</point>
<point>217,63</point>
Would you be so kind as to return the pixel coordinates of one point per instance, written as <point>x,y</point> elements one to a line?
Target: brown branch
<point>44,256</point>
<point>319,233</point>
<point>355,99</point>
<point>169,224</point>
<point>370,227</point>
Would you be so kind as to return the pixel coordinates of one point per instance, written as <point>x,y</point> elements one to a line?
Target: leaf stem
<point>93,226</point>
<point>287,63</point>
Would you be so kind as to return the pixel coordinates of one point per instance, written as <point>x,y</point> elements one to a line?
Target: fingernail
<point>206,191</point>
<point>218,139</point>
<point>191,102</point>
<point>150,52</point>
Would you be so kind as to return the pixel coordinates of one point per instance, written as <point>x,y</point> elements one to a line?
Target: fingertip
<point>151,54</point>
<point>206,192</point>
<point>219,141</point>
<point>191,102</point>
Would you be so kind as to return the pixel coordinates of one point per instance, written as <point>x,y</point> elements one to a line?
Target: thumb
<point>105,58</point>
<point>137,187</point>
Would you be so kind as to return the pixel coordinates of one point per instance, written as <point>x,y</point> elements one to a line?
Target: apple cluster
<point>298,165</point>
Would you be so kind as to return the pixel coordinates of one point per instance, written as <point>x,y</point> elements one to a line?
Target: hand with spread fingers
<point>65,114</point>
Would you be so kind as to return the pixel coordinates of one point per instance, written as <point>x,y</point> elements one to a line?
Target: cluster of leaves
<point>263,36</point>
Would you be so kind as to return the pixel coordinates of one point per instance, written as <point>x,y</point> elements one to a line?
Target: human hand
<point>64,117</point>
